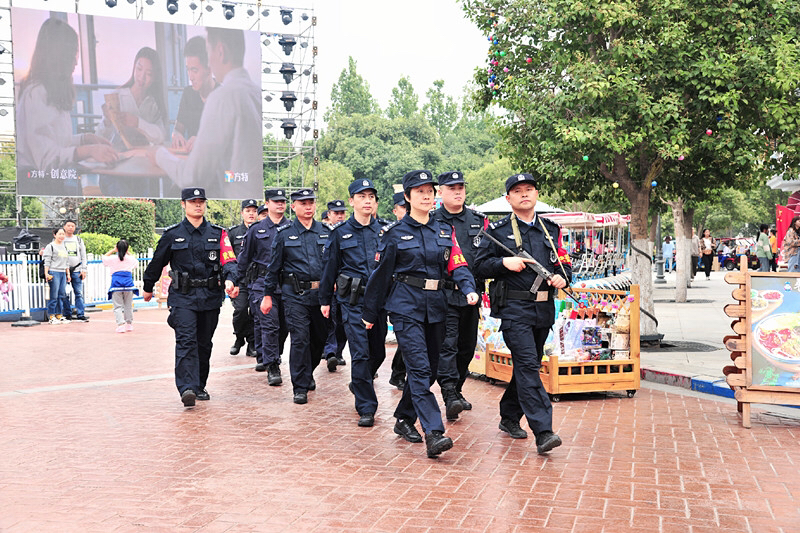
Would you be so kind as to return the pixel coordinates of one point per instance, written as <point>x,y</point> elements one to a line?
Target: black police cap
<point>361,185</point>
<point>193,193</point>
<point>337,205</point>
<point>399,198</point>
<point>304,194</point>
<point>521,178</point>
<point>416,178</point>
<point>452,177</point>
<point>275,194</point>
<point>249,203</point>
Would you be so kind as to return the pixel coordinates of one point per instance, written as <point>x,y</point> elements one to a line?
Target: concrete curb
<point>706,384</point>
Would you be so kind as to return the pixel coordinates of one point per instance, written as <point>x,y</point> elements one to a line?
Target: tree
<point>622,92</point>
<point>440,110</point>
<point>168,212</point>
<point>334,179</point>
<point>404,102</point>
<point>351,95</point>
<point>488,182</point>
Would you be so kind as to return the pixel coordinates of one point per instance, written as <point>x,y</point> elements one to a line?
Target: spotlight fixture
<point>250,12</point>
<point>209,8</point>
<point>306,127</point>
<point>288,126</point>
<point>304,44</point>
<point>304,16</point>
<point>287,42</point>
<point>172,6</point>
<point>192,6</point>
<point>265,13</point>
<point>150,2</point>
<point>288,98</point>
<point>2,49</point>
<point>268,98</point>
<point>2,81</point>
<point>131,1</point>
<point>288,71</point>
<point>111,3</point>
<point>268,125</point>
<point>307,72</point>
<point>3,112</point>
<point>286,16</point>
<point>306,100</point>
<point>267,42</point>
<point>227,10</point>
<point>267,70</point>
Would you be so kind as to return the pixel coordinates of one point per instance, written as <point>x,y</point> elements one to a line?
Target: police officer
<point>262,212</point>
<point>242,319</point>
<point>202,260</point>
<point>414,256</point>
<point>461,325</point>
<point>349,260</point>
<point>398,377</point>
<point>252,267</point>
<point>296,267</point>
<point>337,338</point>
<point>524,305</point>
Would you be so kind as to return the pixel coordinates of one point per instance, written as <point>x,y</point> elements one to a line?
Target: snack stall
<point>594,344</point>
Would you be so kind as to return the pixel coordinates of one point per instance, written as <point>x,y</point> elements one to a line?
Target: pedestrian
<point>398,377</point>
<point>763,248</point>
<point>695,251</point>
<point>337,337</point>
<point>773,245</point>
<point>525,305</point>
<point>270,329</point>
<point>295,267</point>
<point>461,324</point>
<point>202,262</point>
<point>76,251</point>
<point>707,247</point>
<point>667,251</point>
<point>349,261</point>
<point>56,272</point>
<point>242,319</point>
<point>414,256</point>
<point>791,245</point>
<point>121,264</point>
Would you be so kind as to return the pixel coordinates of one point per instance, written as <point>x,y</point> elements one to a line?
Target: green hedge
<point>97,243</point>
<point>122,218</point>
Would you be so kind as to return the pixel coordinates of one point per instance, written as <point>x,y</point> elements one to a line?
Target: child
<point>122,288</point>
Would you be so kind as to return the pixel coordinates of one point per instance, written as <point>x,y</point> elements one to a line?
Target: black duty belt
<point>299,284</point>
<point>421,283</point>
<point>541,296</point>
<point>208,282</point>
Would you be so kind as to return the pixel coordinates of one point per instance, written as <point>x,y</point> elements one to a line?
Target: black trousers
<point>193,333</point>
<point>458,348</point>
<point>695,260</point>
<point>242,319</point>
<point>309,329</point>
<point>398,365</point>
<point>708,259</point>
<point>366,349</point>
<point>525,394</point>
<point>269,330</point>
<point>337,336</point>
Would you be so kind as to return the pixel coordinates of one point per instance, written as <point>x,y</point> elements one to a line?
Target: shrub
<point>122,218</point>
<point>97,243</point>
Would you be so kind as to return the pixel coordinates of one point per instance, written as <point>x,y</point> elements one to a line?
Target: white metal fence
<point>30,292</point>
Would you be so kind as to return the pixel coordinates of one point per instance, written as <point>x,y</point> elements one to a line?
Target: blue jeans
<point>794,262</point>
<point>58,294</point>
<point>77,288</point>
<point>763,264</point>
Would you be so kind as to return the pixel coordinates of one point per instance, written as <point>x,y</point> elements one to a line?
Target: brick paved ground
<point>94,438</point>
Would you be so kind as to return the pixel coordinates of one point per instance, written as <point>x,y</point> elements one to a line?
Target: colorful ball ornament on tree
<point>653,183</point>
<point>586,158</point>
<point>615,185</point>
<point>680,158</point>
<point>528,59</point>
<point>503,53</point>
<point>505,69</point>
<point>709,132</point>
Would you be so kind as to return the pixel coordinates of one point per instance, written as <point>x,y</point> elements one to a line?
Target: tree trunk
<point>682,250</point>
<point>641,257</point>
<point>688,221</point>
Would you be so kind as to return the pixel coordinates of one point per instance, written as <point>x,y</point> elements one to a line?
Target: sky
<point>425,40</point>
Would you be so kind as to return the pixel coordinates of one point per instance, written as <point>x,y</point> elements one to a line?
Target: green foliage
<point>488,182</point>
<point>31,207</point>
<point>470,145</point>
<point>634,85</point>
<point>334,179</point>
<point>440,110</point>
<point>225,213</point>
<point>351,95</point>
<point>122,218</point>
<point>168,212</point>
<point>733,212</point>
<point>98,243</point>
<point>404,102</point>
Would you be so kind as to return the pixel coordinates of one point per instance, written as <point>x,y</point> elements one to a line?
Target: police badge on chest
<point>212,255</point>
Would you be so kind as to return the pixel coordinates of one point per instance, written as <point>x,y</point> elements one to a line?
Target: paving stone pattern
<point>94,439</point>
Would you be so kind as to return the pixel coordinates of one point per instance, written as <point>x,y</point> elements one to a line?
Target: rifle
<point>541,272</point>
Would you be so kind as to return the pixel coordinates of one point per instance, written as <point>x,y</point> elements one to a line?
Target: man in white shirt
<point>226,155</point>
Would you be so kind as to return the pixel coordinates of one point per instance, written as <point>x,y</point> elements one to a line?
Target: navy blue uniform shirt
<point>417,250</point>
<point>298,251</point>
<point>467,224</point>
<point>489,264</point>
<point>257,249</point>
<point>351,252</point>
<point>196,251</point>
<point>236,235</point>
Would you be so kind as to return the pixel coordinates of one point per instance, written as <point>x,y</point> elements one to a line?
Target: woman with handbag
<point>707,247</point>
<point>791,245</point>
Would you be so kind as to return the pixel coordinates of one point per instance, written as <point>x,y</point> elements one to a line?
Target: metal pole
<point>659,256</point>
<point>25,321</point>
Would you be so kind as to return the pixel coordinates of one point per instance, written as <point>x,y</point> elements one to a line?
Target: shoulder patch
<point>171,227</point>
<point>387,227</point>
<point>337,225</point>
<point>215,226</point>
<point>482,215</point>
<point>502,222</point>
<point>233,228</point>
<point>281,228</point>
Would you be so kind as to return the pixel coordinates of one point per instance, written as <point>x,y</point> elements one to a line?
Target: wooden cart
<point>589,376</point>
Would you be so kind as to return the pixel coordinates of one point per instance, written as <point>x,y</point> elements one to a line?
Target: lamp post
<point>659,256</point>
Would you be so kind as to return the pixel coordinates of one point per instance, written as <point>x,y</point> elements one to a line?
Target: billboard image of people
<point>128,108</point>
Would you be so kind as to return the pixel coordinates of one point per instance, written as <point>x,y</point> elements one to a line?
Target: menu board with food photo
<point>773,320</point>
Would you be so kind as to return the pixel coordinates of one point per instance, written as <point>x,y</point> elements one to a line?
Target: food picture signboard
<point>773,326</point>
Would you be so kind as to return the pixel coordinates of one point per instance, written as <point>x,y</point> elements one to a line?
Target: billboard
<point>129,108</point>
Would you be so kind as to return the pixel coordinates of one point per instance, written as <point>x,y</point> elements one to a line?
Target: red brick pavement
<point>94,438</point>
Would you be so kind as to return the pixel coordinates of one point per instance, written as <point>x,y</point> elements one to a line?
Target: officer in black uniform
<point>296,267</point>
<point>202,261</point>
<point>262,212</point>
<point>414,256</point>
<point>525,305</point>
<point>337,337</point>
<point>349,260</point>
<point>270,330</point>
<point>398,377</point>
<point>242,319</point>
<point>461,326</point>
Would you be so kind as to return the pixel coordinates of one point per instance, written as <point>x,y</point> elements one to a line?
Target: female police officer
<point>414,256</point>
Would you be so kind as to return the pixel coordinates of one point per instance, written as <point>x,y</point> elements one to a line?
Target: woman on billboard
<point>47,146</point>
<point>136,113</point>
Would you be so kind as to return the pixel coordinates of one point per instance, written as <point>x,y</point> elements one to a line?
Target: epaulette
<point>171,227</point>
<point>383,221</point>
<point>281,228</point>
<point>502,222</point>
<point>217,226</point>
<point>482,215</point>
<point>337,225</point>
<point>232,228</point>
<point>387,227</point>
<point>551,223</point>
